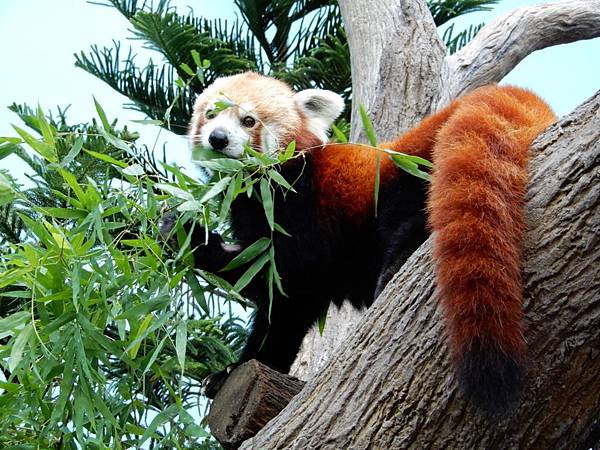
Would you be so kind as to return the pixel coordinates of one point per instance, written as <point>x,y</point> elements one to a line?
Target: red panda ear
<point>321,108</point>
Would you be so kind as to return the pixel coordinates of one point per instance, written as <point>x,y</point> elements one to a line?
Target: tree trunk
<point>399,74</point>
<point>390,386</point>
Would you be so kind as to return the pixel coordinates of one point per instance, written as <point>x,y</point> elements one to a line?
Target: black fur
<point>491,379</point>
<point>323,261</point>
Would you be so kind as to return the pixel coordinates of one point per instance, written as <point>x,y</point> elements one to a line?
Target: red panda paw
<point>491,379</point>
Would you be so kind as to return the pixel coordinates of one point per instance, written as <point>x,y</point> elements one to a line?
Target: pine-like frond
<point>327,66</point>
<point>445,10</point>
<point>287,29</point>
<point>126,7</point>
<point>229,48</point>
<point>11,226</point>
<point>151,89</point>
<point>458,41</point>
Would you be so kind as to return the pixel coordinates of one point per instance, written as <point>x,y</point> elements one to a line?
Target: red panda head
<point>262,112</point>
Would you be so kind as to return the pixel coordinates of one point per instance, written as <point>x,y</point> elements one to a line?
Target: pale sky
<point>38,39</point>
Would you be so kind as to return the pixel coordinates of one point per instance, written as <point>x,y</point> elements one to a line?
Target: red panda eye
<point>210,114</point>
<point>249,121</point>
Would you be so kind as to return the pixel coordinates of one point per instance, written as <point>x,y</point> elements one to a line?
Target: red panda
<point>340,249</point>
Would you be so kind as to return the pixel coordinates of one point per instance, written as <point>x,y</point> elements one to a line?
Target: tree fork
<point>391,384</point>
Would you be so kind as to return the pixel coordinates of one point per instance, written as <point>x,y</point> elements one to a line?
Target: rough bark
<point>396,77</point>
<point>503,43</point>
<point>388,78</point>
<point>252,395</point>
<point>317,348</point>
<point>391,385</point>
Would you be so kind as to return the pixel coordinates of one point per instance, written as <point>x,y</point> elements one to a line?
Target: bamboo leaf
<point>248,254</point>
<point>181,343</point>
<point>18,347</point>
<point>267,202</point>
<point>368,126</point>
<point>252,271</point>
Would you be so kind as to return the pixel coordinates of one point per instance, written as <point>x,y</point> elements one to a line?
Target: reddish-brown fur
<point>476,209</point>
<point>478,145</point>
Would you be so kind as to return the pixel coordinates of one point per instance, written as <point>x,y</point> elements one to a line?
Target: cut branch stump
<point>252,395</point>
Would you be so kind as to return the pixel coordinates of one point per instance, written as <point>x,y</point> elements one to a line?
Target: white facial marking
<point>321,107</point>
<point>247,109</point>
<point>269,139</point>
<point>228,121</point>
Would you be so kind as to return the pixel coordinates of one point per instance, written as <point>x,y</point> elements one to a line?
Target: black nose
<point>218,139</point>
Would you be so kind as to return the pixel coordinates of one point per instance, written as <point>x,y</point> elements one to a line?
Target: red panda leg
<point>476,211</point>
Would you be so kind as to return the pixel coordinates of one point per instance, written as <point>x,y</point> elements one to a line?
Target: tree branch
<point>502,44</point>
<point>390,384</point>
<point>396,76</point>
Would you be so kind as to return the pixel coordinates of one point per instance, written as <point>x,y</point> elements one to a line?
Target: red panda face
<point>261,112</point>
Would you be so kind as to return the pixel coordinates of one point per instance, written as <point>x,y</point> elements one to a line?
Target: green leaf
<point>42,148</point>
<point>200,153</point>
<point>102,115</point>
<point>197,290</point>
<point>12,323</point>
<point>339,135</point>
<point>215,189</point>
<point>403,156</point>
<point>222,105</point>
<point>278,178</point>
<point>276,276</point>
<point>63,213</point>
<point>282,230</point>
<point>114,140</point>
<point>289,151</point>
<point>248,254</point>
<point>18,347</point>
<point>226,165</point>
<point>161,418</point>
<point>66,384</point>
<point>45,128</point>
<point>134,170</point>
<point>368,126</point>
<point>136,338</point>
<point>145,308</point>
<point>247,277</point>
<point>196,57</point>
<point>323,320</point>
<point>155,353</point>
<point>190,205</point>
<point>181,342</point>
<point>75,149</point>
<point>148,122</point>
<point>377,181</point>
<point>106,158</point>
<point>73,184</point>
<point>411,167</point>
<point>174,191</point>
<point>187,69</point>
<point>267,202</point>
<point>7,148</point>
<point>7,192</point>
<point>229,196</point>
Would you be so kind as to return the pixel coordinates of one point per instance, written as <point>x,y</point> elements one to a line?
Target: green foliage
<point>285,38</point>
<point>105,334</point>
<point>446,10</point>
<point>455,42</point>
<point>300,41</point>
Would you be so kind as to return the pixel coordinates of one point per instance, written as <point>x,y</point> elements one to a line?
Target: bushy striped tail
<point>476,211</point>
